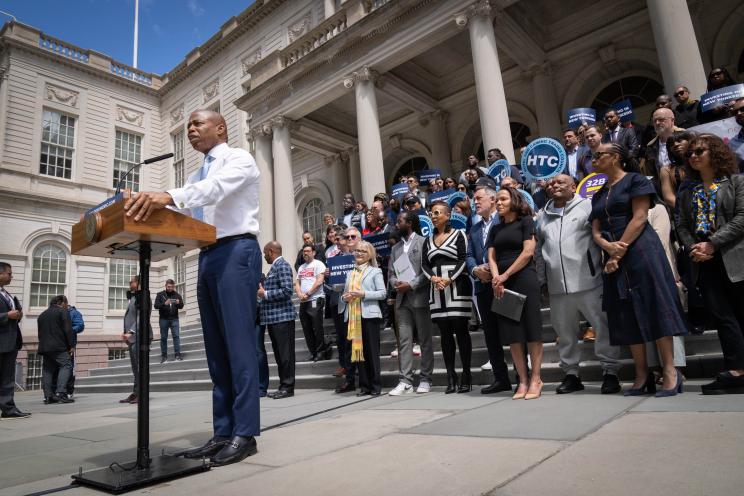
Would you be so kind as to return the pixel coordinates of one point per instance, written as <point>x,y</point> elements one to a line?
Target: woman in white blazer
<point>360,305</point>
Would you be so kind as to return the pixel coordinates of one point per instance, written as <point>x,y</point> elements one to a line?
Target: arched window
<point>519,133</point>
<point>120,273</point>
<point>312,218</point>
<point>639,90</point>
<point>48,275</point>
<point>410,166</point>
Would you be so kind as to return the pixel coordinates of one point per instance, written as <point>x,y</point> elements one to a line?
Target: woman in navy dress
<point>640,296</point>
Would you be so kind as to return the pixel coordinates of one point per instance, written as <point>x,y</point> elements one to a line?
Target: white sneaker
<point>416,350</point>
<point>401,389</point>
<point>423,387</point>
<point>486,366</point>
<point>394,353</point>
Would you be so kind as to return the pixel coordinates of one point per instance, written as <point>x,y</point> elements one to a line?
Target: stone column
<point>546,108</point>
<point>489,85</point>
<point>676,45</point>
<point>355,175</point>
<point>285,213</point>
<point>338,164</point>
<point>265,162</point>
<point>436,126</point>
<point>372,172</point>
<point>329,7</point>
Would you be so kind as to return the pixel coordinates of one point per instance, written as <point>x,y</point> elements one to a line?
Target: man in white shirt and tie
<point>224,193</point>
<point>10,342</point>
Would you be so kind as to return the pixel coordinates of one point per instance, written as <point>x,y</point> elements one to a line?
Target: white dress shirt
<point>228,194</point>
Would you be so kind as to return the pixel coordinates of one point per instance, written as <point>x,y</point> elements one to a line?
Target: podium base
<point>117,480</point>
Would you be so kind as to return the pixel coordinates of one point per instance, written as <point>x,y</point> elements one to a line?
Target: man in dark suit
<point>477,264</point>
<point>615,133</point>
<point>10,342</point>
<point>54,327</point>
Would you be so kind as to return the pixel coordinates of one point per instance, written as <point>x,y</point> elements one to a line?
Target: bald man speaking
<point>224,193</point>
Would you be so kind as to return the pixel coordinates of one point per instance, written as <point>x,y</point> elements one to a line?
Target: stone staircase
<point>704,359</point>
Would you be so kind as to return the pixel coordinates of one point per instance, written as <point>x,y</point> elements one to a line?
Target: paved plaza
<point>318,443</point>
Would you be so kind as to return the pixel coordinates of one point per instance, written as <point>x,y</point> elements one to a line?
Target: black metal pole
<point>143,350</point>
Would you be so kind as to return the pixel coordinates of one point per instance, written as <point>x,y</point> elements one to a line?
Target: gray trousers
<point>133,359</point>
<point>565,310</point>
<point>56,369</point>
<point>409,317</point>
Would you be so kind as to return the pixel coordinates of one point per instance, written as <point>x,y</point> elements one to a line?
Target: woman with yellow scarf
<point>360,306</point>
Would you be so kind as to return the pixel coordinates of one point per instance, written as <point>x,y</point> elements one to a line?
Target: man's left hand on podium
<point>142,205</point>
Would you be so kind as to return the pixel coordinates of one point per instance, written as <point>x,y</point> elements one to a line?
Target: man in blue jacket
<point>78,326</point>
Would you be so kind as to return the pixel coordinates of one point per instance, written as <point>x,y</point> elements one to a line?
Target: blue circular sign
<point>542,159</point>
<point>499,170</point>
<point>427,226</point>
<point>456,197</point>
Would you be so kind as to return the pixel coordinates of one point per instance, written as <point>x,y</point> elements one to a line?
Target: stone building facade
<point>330,96</point>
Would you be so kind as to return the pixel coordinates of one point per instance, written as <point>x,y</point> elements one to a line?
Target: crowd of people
<point>652,256</point>
<point>656,253</point>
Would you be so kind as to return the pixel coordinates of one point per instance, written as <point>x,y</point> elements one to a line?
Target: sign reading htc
<point>543,159</point>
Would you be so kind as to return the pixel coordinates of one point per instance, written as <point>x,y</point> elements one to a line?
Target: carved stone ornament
<point>247,62</point>
<point>365,74</point>
<point>129,116</point>
<point>61,95</point>
<point>176,114</point>
<point>480,8</point>
<point>299,28</point>
<point>211,90</point>
<point>281,121</point>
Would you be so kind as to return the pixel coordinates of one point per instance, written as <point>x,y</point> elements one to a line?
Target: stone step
<point>695,345</point>
<point>699,366</point>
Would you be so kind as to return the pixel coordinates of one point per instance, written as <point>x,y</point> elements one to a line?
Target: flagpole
<point>136,30</point>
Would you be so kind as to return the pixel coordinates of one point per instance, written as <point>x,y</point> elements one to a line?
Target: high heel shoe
<point>466,384</point>
<point>533,396</point>
<point>649,387</point>
<point>520,395</point>
<point>451,383</point>
<point>677,389</point>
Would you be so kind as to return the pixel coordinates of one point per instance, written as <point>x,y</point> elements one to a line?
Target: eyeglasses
<point>436,213</point>
<point>350,236</point>
<point>598,155</point>
<point>680,93</point>
<point>698,152</point>
<point>361,252</point>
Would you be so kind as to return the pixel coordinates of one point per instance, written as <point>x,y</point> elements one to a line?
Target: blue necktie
<point>198,212</point>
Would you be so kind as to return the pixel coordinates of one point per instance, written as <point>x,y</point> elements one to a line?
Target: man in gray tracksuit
<point>574,276</point>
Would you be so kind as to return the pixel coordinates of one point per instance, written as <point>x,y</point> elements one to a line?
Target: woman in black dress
<point>450,299</point>
<point>640,295</point>
<point>511,247</point>
<point>711,228</point>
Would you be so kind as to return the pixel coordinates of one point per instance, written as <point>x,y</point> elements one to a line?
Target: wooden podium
<point>106,231</point>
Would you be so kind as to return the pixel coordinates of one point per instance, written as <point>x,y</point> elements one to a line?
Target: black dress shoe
<point>375,393</point>
<point>281,394</point>
<point>363,393</point>
<point>15,414</point>
<point>327,354</point>
<point>346,387</point>
<point>570,384</point>
<point>496,387</point>
<point>51,399</point>
<point>725,383</point>
<point>63,398</point>
<point>610,384</point>
<point>212,447</point>
<point>237,449</point>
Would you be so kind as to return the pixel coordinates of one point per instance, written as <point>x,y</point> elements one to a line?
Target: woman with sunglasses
<point>672,177</point>
<point>718,78</point>
<point>450,299</point>
<point>640,295</point>
<point>360,306</point>
<point>711,227</point>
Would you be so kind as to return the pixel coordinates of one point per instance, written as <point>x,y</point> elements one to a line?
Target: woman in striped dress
<point>450,298</point>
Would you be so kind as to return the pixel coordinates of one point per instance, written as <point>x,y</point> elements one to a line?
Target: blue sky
<point>168,29</point>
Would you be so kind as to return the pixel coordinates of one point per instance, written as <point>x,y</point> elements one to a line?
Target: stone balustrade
<point>315,38</point>
<point>63,49</point>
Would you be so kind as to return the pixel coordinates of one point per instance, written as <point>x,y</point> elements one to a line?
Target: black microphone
<point>148,161</point>
<point>158,158</point>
